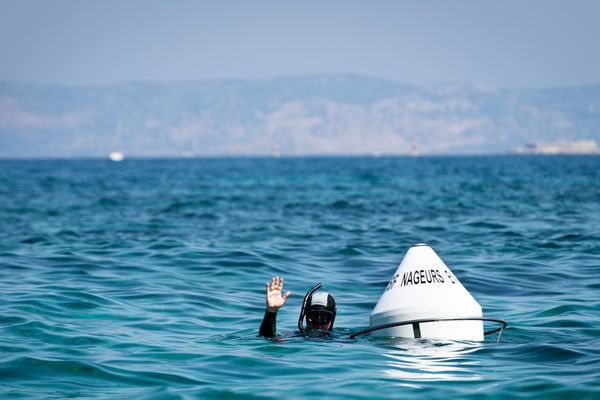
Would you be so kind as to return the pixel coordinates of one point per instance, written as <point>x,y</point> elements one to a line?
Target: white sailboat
<point>414,150</point>
<point>117,155</point>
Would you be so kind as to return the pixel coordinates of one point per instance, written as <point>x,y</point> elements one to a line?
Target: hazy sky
<point>496,43</point>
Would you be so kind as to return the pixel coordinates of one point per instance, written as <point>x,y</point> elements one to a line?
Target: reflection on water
<point>423,360</point>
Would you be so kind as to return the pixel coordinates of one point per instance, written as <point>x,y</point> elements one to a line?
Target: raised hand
<point>273,296</point>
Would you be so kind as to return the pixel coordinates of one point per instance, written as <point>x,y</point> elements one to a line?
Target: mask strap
<point>303,310</point>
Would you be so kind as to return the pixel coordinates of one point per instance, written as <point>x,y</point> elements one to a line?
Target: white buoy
<point>423,289</point>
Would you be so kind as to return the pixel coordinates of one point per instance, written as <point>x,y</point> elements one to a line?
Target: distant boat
<point>276,151</point>
<point>116,155</point>
<point>414,150</point>
<point>561,147</point>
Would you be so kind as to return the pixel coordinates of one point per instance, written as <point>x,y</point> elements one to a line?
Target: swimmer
<point>318,308</point>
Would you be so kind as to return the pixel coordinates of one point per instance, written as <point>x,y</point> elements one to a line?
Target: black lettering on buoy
<point>420,276</point>
<point>392,282</point>
<point>433,277</point>
<point>439,276</point>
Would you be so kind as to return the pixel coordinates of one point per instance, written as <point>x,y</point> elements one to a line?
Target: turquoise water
<point>145,279</point>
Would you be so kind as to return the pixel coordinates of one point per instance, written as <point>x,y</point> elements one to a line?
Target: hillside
<point>300,115</point>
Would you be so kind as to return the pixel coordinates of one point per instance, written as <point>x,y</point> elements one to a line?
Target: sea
<point>145,279</point>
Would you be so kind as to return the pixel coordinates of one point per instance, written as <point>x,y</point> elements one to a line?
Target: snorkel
<point>303,310</point>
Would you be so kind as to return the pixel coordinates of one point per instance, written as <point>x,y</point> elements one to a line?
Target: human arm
<point>274,300</point>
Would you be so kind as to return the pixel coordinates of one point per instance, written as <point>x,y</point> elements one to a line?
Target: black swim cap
<point>321,301</point>
<point>320,309</point>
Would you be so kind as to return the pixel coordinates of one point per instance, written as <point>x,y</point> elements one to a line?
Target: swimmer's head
<point>320,311</point>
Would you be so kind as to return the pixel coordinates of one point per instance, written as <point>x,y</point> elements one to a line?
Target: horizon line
<point>135,81</point>
<point>290,157</point>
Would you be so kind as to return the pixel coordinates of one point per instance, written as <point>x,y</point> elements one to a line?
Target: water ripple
<point>146,279</point>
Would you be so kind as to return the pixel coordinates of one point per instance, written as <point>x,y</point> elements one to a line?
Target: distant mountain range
<point>302,115</point>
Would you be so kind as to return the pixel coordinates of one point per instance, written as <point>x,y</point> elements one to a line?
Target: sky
<point>500,44</point>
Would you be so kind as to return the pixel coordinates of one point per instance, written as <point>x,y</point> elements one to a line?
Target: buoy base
<point>413,328</point>
<point>450,330</point>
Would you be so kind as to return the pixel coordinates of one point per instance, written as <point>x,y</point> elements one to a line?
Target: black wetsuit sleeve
<point>267,328</point>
